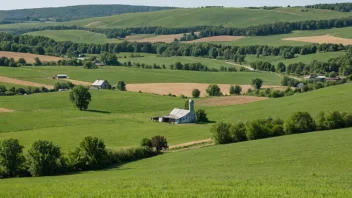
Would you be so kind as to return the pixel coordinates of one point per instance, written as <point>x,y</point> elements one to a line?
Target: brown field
<point>183,88</point>
<point>22,82</point>
<point>154,39</point>
<point>28,57</point>
<point>3,110</point>
<point>321,39</point>
<point>216,39</point>
<point>78,82</point>
<point>229,100</point>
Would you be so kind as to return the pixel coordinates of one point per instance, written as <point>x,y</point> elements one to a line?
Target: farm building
<point>179,116</point>
<point>60,76</point>
<point>101,84</point>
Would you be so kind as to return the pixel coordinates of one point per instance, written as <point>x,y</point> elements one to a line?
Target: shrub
<point>11,157</point>
<point>63,85</point>
<point>146,142</point>
<point>221,133</point>
<point>10,93</point>
<point>195,93</point>
<point>44,158</point>
<point>159,143</point>
<point>131,154</point>
<point>186,105</point>
<point>299,122</point>
<point>347,117</point>
<point>334,120</point>
<point>319,85</point>
<point>80,97</point>
<point>91,154</point>
<point>3,89</point>
<point>214,90</point>
<point>201,116</point>
<point>121,86</point>
<point>257,83</point>
<point>238,132</point>
<point>256,130</point>
<point>277,94</point>
<point>235,90</point>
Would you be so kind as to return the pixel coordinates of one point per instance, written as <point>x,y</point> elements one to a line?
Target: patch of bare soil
<point>28,57</point>
<point>93,23</point>
<point>229,100</point>
<point>216,39</point>
<point>190,144</point>
<point>22,82</point>
<point>3,110</point>
<point>322,39</point>
<point>77,82</point>
<point>183,88</point>
<point>155,39</point>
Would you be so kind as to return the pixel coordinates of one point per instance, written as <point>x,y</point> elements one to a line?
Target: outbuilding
<point>101,84</point>
<point>179,116</point>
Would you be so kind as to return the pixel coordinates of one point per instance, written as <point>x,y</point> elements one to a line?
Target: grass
<point>77,36</point>
<point>132,75</point>
<point>306,165</point>
<point>277,40</point>
<point>304,59</point>
<point>232,17</point>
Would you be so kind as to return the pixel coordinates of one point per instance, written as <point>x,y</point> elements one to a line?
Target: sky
<point>21,4</point>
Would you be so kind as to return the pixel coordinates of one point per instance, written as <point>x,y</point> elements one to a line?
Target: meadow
<point>77,36</point>
<point>230,17</point>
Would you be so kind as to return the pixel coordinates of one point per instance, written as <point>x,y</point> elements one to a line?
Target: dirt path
<point>78,82</point>
<point>3,110</point>
<point>321,39</point>
<point>22,82</point>
<point>245,66</point>
<point>230,100</point>
<point>294,77</point>
<point>216,39</point>
<point>190,144</point>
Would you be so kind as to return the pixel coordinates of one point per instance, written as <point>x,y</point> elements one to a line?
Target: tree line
<point>340,7</point>
<point>299,122</point>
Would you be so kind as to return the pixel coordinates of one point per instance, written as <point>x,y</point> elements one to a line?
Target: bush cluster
<point>45,158</point>
<point>299,122</point>
<point>21,91</point>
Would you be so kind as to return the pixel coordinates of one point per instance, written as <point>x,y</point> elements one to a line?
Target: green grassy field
<point>306,165</point>
<point>304,59</point>
<point>132,75</point>
<point>234,17</point>
<point>77,36</point>
<point>277,40</point>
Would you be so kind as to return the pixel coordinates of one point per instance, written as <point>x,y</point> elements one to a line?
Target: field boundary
<point>22,82</point>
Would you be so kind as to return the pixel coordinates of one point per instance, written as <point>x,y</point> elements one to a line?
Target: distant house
<point>60,76</point>
<point>82,58</point>
<point>179,116</point>
<point>321,78</point>
<point>99,64</point>
<point>101,84</point>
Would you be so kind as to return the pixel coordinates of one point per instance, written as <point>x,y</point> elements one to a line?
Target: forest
<point>72,12</point>
<point>340,7</point>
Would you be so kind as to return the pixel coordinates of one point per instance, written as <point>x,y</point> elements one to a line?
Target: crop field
<point>136,76</point>
<point>311,164</point>
<point>304,59</point>
<point>77,36</point>
<point>28,57</point>
<point>230,17</point>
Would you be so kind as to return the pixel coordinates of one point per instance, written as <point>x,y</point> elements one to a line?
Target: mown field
<point>77,36</point>
<point>232,17</point>
<point>133,75</point>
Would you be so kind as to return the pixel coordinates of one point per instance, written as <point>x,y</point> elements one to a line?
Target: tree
<point>3,89</point>
<point>22,61</point>
<point>37,61</point>
<point>195,93</point>
<point>44,158</point>
<point>11,157</point>
<point>238,132</point>
<point>159,143</point>
<point>121,86</point>
<point>257,83</point>
<point>299,122</point>
<point>221,133</point>
<point>201,116</point>
<point>186,105</point>
<point>281,67</point>
<point>109,59</point>
<point>91,154</point>
<point>80,97</point>
<point>89,65</point>
<point>235,90</point>
<point>146,142</point>
<point>214,90</point>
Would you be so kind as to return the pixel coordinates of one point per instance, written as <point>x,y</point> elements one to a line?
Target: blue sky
<point>19,4</point>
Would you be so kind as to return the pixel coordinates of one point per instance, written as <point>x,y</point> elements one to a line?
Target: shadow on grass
<point>97,111</point>
<point>209,122</point>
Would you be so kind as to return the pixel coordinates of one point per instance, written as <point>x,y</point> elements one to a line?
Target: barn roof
<point>98,82</point>
<point>178,113</point>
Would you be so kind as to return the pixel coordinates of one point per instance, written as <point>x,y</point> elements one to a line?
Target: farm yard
<point>123,109</point>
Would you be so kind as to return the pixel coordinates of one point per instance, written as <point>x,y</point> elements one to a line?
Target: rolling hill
<point>229,17</point>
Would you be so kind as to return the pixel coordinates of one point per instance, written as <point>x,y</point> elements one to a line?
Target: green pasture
<point>306,165</point>
<point>231,17</point>
<point>77,36</point>
<point>134,75</point>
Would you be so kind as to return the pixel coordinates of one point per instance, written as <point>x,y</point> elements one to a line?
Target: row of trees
<point>43,45</point>
<point>22,91</point>
<point>45,158</point>
<point>300,122</point>
<point>340,7</point>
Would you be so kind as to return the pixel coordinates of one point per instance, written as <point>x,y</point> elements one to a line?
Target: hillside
<point>72,12</point>
<point>306,165</point>
<point>230,17</point>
